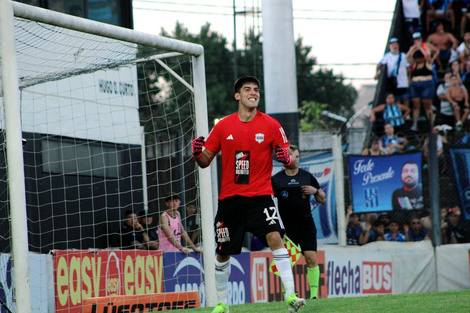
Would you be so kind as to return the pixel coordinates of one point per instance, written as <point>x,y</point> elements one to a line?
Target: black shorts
<point>237,215</point>
<point>303,232</point>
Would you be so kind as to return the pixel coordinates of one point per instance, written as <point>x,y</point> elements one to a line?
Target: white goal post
<point>11,82</point>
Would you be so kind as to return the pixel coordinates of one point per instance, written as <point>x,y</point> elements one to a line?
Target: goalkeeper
<point>293,188</point>
<point>246,140</point>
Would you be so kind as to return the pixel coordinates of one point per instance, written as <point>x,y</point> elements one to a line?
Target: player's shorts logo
<point>222,232</point>
<point>242,167</point>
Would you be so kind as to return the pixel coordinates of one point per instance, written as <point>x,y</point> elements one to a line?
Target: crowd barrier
<point>62,280</point>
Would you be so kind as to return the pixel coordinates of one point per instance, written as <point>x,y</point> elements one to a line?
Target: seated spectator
<point>397,66</point>
<point>465,9</point>
<point>146,219</point>
<point>414,231</point>
<point>464,53</point>
<point>411,14</point>
<point>353,230</point>
<point>390,143</point>
<point>374,147</point>
<point>455,229</point>
<point>422,88</point>
<point>393,233</point>
<point>446,114</point>
<point>440,9</point>
<point>132,234</point>
<point>192,222</point>
<point>170,230</point>
<point>455,70</point>
<point>446,43</point>
<point>375,232</point>
<point>393,112</point>
<point>458,98</point>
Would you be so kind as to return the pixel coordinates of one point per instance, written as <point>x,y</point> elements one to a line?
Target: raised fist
<point>197,145</point>
<point>282,155</point>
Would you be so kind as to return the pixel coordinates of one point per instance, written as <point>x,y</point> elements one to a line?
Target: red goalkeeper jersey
<point>247,153</point>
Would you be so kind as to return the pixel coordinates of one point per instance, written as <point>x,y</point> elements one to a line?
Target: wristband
<point>197,156</point>
<point>288,162</point>
<point>316,192</point>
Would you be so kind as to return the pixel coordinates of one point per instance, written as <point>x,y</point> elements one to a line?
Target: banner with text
<point>386,183</point>
<point>185,273</point>
<point>321,167</point>
<point>83,274</point>
<point>461,165</point>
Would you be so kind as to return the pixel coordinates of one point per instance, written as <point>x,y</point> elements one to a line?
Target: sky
<point>348,36</point>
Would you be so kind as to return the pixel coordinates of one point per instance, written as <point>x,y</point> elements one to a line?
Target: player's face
<point>410,175</point>
<point>248,96</point>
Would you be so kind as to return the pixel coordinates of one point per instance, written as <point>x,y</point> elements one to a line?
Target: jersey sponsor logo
<point>293,182</point>
<point>259,137</point>
<point>222,233</point>
<point>242,167</point>
<point>230,137</point>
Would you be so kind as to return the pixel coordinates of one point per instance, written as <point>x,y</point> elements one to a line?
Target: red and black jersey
<point>247,153</point>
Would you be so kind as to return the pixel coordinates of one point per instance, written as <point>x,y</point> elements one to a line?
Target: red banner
<point>142,303</point>
<point>266,287</point>
<point>83,274</point>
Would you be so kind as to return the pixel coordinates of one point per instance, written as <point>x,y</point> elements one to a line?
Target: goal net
<point>105,118</point>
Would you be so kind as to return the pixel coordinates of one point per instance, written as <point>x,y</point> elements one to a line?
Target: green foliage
<point>316,90</point>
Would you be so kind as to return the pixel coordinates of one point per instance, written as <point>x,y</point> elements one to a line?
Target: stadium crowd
<point>427,78</point>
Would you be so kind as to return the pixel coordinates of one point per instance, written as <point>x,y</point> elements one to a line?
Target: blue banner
<point>386,183</point>
<point>185,273</point>
<point>461,165</point>
<point>324,215</point>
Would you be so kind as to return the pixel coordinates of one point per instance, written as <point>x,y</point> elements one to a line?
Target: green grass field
<point>448,301</point>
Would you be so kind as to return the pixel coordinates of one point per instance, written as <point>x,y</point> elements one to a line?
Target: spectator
<point>397,72</point>
<point>390,143</point>
<point>440,9</point>
<point>464,53</point>
<point>446,115</point>
<point>415,231</point>
<point>455,70</point>
<point>132,234</point>
<point>170,229</point>
<point>353,231</point>
<point>192,222</point>
<point>458,98</point>
<point>393,112</point>
<point>422,86</point>
<point>374,147</point>
<point>465,15</point>
<point>431,49</point>
<point>446,43</point>
<point>146,219</point>
<point>394,234</point>
<point>375,232</point>
<point>384,218</point>
<point>455,229</point>
<point>412,12</point>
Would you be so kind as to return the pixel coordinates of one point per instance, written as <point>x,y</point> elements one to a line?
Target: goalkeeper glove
<point>282,155</point>
<point>197,145</point>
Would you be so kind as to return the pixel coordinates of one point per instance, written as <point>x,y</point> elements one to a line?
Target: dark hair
<point>294,147</point>
<point>243,80</point>
<point>373,140</point>
<point>409,162</point>
<point>418,54</point>
<point>128,212</point>
<point>172,196</point>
